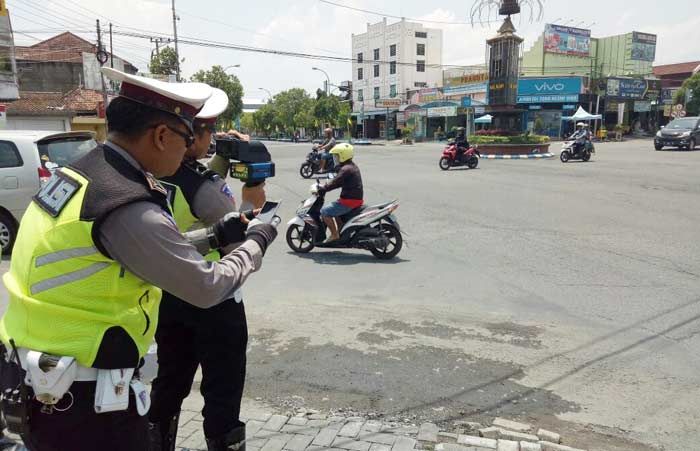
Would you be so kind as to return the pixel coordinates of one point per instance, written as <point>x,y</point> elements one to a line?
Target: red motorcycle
<point>450,158</point>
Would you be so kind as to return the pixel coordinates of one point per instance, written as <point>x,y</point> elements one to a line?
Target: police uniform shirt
<point>145,240</point>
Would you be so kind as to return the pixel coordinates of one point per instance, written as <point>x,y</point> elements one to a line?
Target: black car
<point>682,133</point>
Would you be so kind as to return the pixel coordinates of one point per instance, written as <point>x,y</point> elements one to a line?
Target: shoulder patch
<point>227,191</point>
<point>154,184</point>
<point>54,196</point>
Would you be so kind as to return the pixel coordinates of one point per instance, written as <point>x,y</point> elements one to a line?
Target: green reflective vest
<point>65,295</point>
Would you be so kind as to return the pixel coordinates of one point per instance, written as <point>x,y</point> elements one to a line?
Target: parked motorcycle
<point>449,158</point>
<point>570,151</point>
<point>370,228</point>
<point>312,164</point>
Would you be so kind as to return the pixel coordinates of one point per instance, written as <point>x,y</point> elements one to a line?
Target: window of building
<point>359,57</point>
<point>392,91</point>
<point>420,49</point>
<point>360,95</point>
<point>421,34</point>
<point>5,59</point>
<point>392,67</point>
<point>9,156</point>
<point>376,54</point>
<point>376,70</point>
<point>359,74</point>
<point>392,50</point>
<point>420,84</point>
<point>420,65</point>
<point>376,92</point>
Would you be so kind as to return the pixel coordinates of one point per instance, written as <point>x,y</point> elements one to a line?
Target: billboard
<point>549,90</point>
<point>466,78</point>
<point>388,103</point>
<point>459,90</point>
<point>567,40</point>
<point>633,88</point>
<point>643,46</point>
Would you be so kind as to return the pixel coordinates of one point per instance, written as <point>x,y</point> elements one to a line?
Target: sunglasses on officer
<point>189,139</point>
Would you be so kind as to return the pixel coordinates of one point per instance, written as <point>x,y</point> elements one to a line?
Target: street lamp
<point>231,67</point>
<point>328,85</point>
<point>269,94</point>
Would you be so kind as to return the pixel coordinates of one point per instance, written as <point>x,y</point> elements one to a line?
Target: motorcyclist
<point>328,144</point>
<point>349,179</point>
<point>461,142</point>
<point>580,136</point>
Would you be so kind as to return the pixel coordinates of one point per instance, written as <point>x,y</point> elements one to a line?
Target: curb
<point>517,157</point>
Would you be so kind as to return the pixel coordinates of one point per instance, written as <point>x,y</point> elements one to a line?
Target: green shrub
<point>519,139</point>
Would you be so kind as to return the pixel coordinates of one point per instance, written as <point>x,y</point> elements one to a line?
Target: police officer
<point>93,247</point>
<point>189,336</point>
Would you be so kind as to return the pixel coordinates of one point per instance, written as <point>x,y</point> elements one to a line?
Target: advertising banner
<point>466,79</point>
<point>549,90</point>
<point>429,95</point>
<point>630,88</point>
<point>460,90</point>
<point>643,46</point>
<point>567,40</point>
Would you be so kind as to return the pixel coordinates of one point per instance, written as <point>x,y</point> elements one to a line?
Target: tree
<point>248,123</point>
<point>164,63</point>
<point>690,88</point>
<point>327,110</point>
<point>230,84</point>
<point>264,118</point>
<point>293,109</point>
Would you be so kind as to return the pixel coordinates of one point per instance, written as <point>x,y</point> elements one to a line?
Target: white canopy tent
<point>582,115</point>
<point>484,119</point>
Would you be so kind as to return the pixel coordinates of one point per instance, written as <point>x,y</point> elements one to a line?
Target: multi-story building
<point>389,60</point>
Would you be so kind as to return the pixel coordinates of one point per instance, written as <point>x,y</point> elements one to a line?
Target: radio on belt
<point>251,161</point>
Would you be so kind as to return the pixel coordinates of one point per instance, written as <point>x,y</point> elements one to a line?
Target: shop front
<point>546,100</point>
<point>633,103</point>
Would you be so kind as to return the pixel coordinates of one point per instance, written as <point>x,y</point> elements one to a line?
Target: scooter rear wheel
<point>395,242</point>
<point>444,163</point>
<point>586,155</point>
<point>300,239</point>
<point>306,170</point>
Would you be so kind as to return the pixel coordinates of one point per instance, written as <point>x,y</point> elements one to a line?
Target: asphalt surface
<point>562,294</point>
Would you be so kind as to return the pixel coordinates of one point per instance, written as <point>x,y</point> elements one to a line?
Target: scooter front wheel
<point>473,162</point>
<point>444,163</point>
<point>564,157</point>
<point>300,239</point>
<point>306,170</point>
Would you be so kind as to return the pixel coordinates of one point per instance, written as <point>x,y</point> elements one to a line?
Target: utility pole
<point>111,47</point>
<point>177,53</point>
<point>101,60</point>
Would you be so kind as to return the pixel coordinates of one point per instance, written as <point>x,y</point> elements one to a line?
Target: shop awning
<point>582,115</point>
<point>484,119</point>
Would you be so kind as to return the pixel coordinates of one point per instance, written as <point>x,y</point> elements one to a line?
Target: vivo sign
<point>549,90</point>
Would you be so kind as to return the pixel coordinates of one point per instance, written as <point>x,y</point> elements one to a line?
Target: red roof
<point>675,69</point>
<point>65,47</point>
<point>76,102</point>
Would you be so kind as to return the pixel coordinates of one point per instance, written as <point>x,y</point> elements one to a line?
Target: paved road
<point>564,295</point>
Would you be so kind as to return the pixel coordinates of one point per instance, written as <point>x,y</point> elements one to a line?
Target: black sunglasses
<point>189,139</point>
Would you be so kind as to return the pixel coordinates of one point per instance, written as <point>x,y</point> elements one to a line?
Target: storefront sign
<point>442,111</point>
<point>667,110</point>
<point>667,95</point>
<point>568,107</point>
<point>535,107</point>
<point>630,88</point>
<point>388,103</point>
<point>466,102</point>
<point>642,106</point>
<point>567,40</point>
<point>479,110</point>
<point>459,90</point>
<point>549,90</point>
<point>466,79</point>
<point>643,47</point>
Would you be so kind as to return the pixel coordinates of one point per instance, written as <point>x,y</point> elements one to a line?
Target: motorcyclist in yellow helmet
<point>349,179</point>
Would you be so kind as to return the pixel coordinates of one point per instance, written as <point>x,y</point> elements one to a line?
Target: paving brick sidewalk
<point>266,431</point>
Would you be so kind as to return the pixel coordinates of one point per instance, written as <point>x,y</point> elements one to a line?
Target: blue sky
<point>314,27</point>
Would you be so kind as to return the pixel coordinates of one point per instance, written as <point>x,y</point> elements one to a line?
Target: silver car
<point>27,158</point>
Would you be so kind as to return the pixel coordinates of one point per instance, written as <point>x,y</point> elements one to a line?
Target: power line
<point>376,13</point>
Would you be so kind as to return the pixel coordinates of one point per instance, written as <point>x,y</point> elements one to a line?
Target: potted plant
<point>407,135</point>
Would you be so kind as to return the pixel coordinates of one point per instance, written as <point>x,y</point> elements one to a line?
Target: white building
<point>389,60</point>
